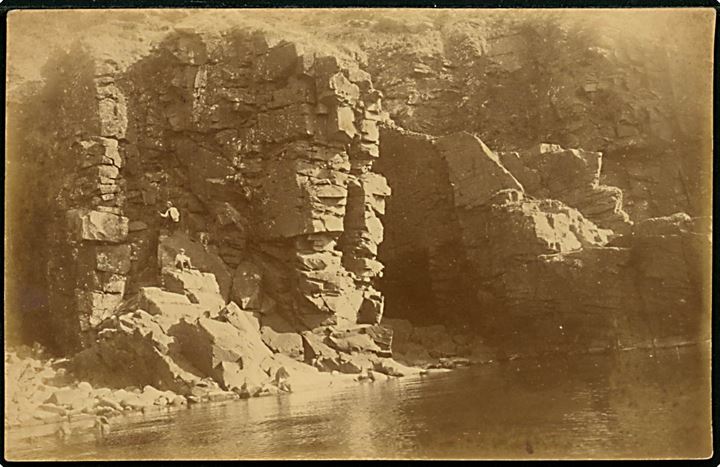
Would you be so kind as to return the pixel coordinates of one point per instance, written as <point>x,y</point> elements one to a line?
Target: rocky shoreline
<point>45,399</point>
<point>44,393</point>
<point>45,390</point>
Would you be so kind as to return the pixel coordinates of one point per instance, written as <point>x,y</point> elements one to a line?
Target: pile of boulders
<point>43,390</point>
<point>201,360</point>
<point>184,338</point>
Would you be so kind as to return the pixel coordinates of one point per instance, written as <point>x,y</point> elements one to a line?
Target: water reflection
<point>628,404</point>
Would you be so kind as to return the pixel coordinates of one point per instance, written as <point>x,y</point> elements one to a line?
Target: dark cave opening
<point>424,279</point>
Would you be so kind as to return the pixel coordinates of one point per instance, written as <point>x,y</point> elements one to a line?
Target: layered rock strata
<point>267,152</point>
<point>517,80</point>
<point>275,145</point>
<point>89,256</point>
<point>546,266</point>
<point>270,153</point>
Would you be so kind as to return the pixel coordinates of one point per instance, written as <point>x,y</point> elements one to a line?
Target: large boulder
<point>238,317</point>
<point>475,171</point>
<point>85,224</point>
<point>134,349</point>
<point>327,359</point>
<point>352,340</point>
<point>200,287</point>
<point>167,304</point>
<point>71,396</point>
<point>231,353</point>
<point>183,281</point>
<point>281,336</point>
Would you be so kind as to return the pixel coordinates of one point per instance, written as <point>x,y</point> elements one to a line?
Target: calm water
<point>629,404</point>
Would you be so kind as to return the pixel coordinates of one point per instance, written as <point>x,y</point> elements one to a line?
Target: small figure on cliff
<point>171,214</point>
<point>182,261</point>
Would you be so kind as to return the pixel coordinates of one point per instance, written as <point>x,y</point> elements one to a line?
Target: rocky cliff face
<point>76,230</point>
<point>266,151</point>
<point>280,158</point>
<point>562,78</point>
<point>272,150</point>
<point>539,265</point>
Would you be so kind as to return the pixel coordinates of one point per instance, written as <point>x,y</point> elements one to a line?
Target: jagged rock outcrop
<point>573,177</point>
<point>275,144</point>
<point>517,80</point>
<point>89,258</point>
<point>267,153</point>
<point>533,261</point>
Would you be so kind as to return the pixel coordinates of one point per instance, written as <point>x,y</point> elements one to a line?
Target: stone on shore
<point>229,353</point>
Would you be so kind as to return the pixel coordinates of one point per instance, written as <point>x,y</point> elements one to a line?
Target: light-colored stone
<point>97,226</point>
<point>476,173</point>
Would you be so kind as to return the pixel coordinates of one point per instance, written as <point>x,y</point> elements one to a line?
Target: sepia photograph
<point>358,233</point>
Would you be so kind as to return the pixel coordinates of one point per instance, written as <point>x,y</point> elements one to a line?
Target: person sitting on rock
<point>182,261</point>
<point>171,214</point>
